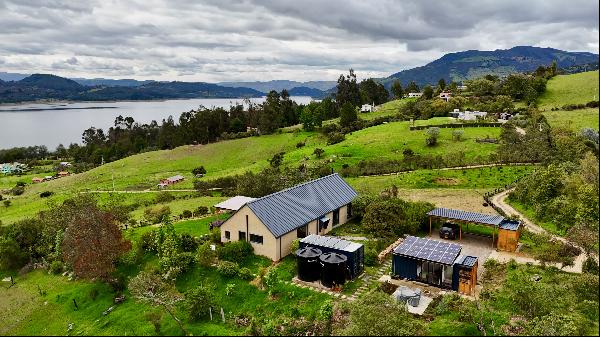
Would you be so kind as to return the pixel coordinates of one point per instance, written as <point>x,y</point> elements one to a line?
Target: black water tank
<point>309,267</point>
<point>333,269</point>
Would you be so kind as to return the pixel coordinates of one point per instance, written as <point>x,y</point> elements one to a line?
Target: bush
<point>17,190</point>
<point>46,194</point>
<point>200,170</point>
<point>590,266</point>
<point>154,317</point>
<point>300,144</point>
<point>148,241</point>
<point>186,214</point>
<point>187,243</point>
<point>371,256</point>
<point>235,251</point>
<point>432,136</point>
<point>295,245</point>
<point>228,269</point>
<point>184,261</point>
<point>335,137</point>
<point>164,197</point>
<point>205,256</point>
<point>56,267</point>
<point>201,210</point>
<point>245,274</point>
<point>198,301</point>
<point>157,214</point>
<point>457,134</point>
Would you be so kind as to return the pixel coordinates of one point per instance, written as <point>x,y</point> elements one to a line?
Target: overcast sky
<point>263,40</point>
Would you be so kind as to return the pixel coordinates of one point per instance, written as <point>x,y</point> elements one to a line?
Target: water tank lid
<point>308,252</point>
<point>333,258</point>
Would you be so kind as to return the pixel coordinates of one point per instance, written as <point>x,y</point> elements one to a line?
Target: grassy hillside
<point>570,89</point>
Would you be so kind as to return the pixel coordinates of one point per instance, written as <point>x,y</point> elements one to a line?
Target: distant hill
<point>126,82</point>
<point>4,76</point>
<point>305,91</point>
<point>44,87</point>
<point>279,85</point>
<point>474,63</point>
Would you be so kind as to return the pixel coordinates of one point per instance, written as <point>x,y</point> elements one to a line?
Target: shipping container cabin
<point>354,252</point>
<point>425,260</point>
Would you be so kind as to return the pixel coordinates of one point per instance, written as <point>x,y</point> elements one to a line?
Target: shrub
<point>457,134</point>
<point>154,317</point>
<point>6,203</point>
<point>148,241</point>
<point>186,214</point>
<point>164,197</point>
<point>198,301</point>
<point>205,256</point>
<point>432,136</point>
<point>187,243</point>
<point>200,170</point>
<point>295,245</point>
<point>157,214</point>
<point>46,194</point>
<point>300,144</point>
<point>335,137</point>
<point>371,256</point>
<point>201,210</point>
<point>245,274</point>
<point>235,251</point>
<point>590,266</point>
<point>227,268</point>
<point>17,190</point>
<point>56,267</point>
<point>318,152</point>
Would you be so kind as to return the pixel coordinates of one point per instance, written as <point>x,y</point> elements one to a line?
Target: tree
<point>392,217</point>
<point>372,92</point>
<point>348,90</point>
<point>93,241</point>
<point>318,152</point>
<point>412,87</point>
<point>348,114</point>
<point>271,117</point>
<point>457,134</point>
<point>199,170</point>
<point>432,136</point>
<point>151,289</point>
<point>427,92</point>
<point>198,301</point>
<point>277,160</point>
<point>378,314</point>
<point>442,84</point>
<point>312,116</point>
<point>397,89</point>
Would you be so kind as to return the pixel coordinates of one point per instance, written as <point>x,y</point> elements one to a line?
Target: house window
<point>302,232</point>
<point>256,238</point>
<point>242,236</point>
<point>227,235</point>
<point>336,217</point>
<point>348,211</point>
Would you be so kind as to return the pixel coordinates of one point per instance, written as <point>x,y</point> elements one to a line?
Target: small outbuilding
<point>233,204</point>
<point>508,231</point>
<point>367,108</point>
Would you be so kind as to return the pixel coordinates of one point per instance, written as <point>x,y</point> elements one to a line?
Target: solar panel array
<point>429,250</point>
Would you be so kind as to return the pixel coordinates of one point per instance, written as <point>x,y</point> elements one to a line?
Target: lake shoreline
<point>50,102</point>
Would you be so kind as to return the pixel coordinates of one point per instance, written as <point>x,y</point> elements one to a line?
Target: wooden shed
<point>509,232</point>
<point>464,279</point>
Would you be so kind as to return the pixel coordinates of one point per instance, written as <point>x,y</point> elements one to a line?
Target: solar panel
<point>427,249</point>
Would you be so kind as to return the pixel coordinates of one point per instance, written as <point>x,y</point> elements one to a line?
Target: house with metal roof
<point>272,222</point>
<point>436,263</point>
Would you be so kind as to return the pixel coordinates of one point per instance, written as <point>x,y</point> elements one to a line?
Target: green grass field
<point>570,89</point>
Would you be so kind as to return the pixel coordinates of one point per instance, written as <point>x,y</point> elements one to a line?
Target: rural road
<point>450,168</point>
<point>499,200</point>
<point>144,191</point>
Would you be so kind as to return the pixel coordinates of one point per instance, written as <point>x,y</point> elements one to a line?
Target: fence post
<point>210,312</point>
<point>222,315</point>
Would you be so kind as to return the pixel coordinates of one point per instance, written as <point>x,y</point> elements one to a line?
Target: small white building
<point>233,204</point>
<point>446,95</point>
<point>468,115</point>
<point>462,87</point>
<point>414,94</point>
<point>367,108</point>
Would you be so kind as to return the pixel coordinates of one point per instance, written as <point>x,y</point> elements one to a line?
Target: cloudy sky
<point>263,40</point>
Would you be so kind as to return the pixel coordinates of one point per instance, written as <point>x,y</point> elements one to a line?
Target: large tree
<point>348,114</point>
<point>93,240</point>
<point>372,92</point>
<point>347,90</point>
<point>397,89</point>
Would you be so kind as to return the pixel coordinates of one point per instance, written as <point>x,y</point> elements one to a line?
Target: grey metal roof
<point>331,242</point>
<point>286,210</point>
<point>455,214</point>
<point>429,250</point>
<point>510,225</point>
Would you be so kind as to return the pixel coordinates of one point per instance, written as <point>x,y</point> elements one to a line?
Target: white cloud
<point>262,40</point>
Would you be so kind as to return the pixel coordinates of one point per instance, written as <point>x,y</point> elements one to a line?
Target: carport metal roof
<point>454,214</point>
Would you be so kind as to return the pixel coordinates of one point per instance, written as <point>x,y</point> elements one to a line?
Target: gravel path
<point>499,200</point>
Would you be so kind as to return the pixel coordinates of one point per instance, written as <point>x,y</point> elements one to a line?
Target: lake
<point>63,123</point>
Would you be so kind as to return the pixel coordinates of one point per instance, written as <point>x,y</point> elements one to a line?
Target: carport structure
<point>507,231</point>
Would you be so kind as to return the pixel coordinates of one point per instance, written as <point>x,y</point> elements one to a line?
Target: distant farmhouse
<point>170,181</point>
<point>415,94</point>
<point>272,222</point>
<point>367,108</point>
<point>468,115</point>
<point>14,168</point>
<point>445,95</point>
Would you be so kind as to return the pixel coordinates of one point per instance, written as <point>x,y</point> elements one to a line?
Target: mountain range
<point>470,64</point>
<point>458,67</point>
